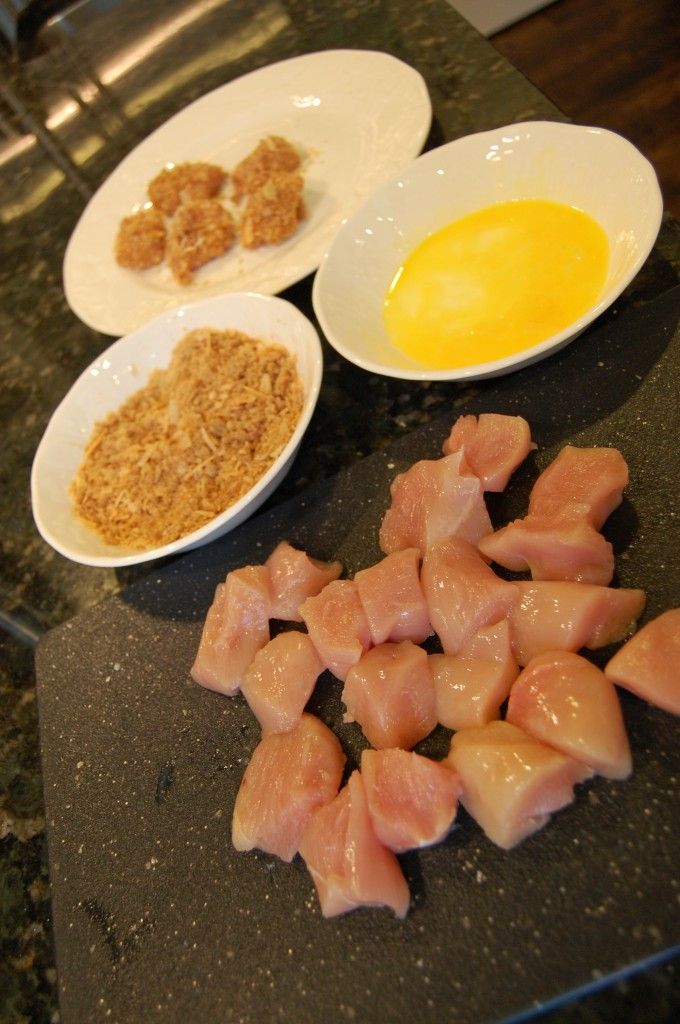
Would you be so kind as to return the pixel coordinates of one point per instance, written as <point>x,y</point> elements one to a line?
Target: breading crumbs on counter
<point>191,442</point>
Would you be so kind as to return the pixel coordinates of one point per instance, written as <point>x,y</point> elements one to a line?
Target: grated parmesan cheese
<point>191,442</point>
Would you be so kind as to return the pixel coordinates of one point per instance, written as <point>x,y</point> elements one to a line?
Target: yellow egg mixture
<point>495,282</point>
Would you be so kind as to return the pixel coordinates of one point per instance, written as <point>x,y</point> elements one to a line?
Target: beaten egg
<point>496,282</point>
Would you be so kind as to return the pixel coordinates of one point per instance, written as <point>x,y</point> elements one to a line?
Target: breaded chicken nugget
<point>175,185</point>
<point>273,212</point>
<point>271,156</point>
<point>199,231</point>
<point>140,242</point>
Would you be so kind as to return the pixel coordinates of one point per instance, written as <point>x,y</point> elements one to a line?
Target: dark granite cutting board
<point>156,917</point>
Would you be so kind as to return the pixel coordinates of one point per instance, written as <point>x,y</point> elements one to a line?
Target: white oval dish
<point>592,169</point>
<point>123,369</point>
<point>357,116</point>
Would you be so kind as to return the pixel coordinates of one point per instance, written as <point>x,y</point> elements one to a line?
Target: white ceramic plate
<point>124,368</point>
<point>357,116</point>
<point>589,168</point>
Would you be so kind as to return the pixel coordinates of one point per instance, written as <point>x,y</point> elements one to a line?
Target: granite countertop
<point>66,126</point>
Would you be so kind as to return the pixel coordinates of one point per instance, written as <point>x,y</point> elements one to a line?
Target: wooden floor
<point>611,63</point>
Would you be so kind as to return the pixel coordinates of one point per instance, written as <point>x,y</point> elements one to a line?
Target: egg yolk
<point>495,282</point>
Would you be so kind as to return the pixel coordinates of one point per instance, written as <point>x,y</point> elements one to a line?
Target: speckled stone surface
<point>66,126</point>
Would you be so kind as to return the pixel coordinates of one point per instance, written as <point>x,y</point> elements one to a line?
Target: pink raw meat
<point>586,483</point>
<point>463,593</point>
<point>552,549</point>
<point>648,664</point>
<point>565,616</point>
<point>512,783</point>
<point>494,446</point>
<point>412,800</point>
<point>566,701</point>
<point>469,691</point>
<point>349,865</point>
<point>493,643</point>
<point>390,693</point>
<point>295,576</point>
<point>235,628</point>
<point>280,679</point>
<point>432,500</point>
<point>393,598</point>
<point>288,777</point>
<point>337,625</point>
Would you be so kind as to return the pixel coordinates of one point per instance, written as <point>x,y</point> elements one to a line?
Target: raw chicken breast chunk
<point>393,599</point>
<point>390,693</point>
<point>469,691</point>
<point>349,865</point>
<point>412,799</point>
<point>493,445</point>
<point>566,701</point>
<point>280,679</point>
<point>584,483</point>
<point>288,777</point>
<point>235,628</point>
<point>512,783</point>
<point>552,549</point>
<point>649,663</point>
<point>295,576</point>
<point>338,626</point>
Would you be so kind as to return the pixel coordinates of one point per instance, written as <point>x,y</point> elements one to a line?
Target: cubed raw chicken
<point>235,628</point>
<point>494,446</point>
<point>512,783</point>
<point>412,799</point>
<point>462,592</point>
<point>434,499</point>
<point>586,483</point>
<point>393,598</point>
<point>469,691</point>
<point>565,616</point>
<point>295,576</point>
<point>552,549</point>
<point>390,693</point>
<point>288,777</point>
<point>280,679</point>
<point>564,700</point>
<point>349,865</point>
<point>493,643</point>
<point>649,663</point>
<point>337,625</point>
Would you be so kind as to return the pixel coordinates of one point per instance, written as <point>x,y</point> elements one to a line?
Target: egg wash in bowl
<point>495,282</point>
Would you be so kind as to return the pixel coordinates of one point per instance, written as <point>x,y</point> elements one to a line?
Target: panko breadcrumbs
<point>191,442</point>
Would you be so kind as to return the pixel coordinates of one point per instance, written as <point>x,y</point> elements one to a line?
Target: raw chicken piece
<point>412,800</point>
<point>469,691</point>
<point>492,643</point>
<point>390,693</point>
<point>512,783</point>
<point>552,549</point>
<point>586,483</point>
<point>393,598</point>
<point>432,500</point>
<point>647,664</point>
<point>288,777</point>
<point>280,679</point>
<point>463,593</point>
<point>296,576</point>
<point>566,701</point>
<point>565,616</point>
<point>493,445</point>
<point>337,625</point>
<point>349,865</point>
<point>235,628</point>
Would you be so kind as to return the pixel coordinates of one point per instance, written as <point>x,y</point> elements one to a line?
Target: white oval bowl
<point>592,169</point>
<point>124,368</point>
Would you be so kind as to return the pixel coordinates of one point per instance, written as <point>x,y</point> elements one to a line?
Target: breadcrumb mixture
<point>272,212</point>
<point>140,242</point>
<point>191,442</point>
<point>272,155</point>
<point>200,231</point>
<point>174,185</point>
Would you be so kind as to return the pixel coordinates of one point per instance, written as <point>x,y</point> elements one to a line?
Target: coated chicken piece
<point>272,155</point>
<point>272,212</point>
<point>140,241</point>
<point>289,776</point>
<point>200,231</point>
<point>185,181</point>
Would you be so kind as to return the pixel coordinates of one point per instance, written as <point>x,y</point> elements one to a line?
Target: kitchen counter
<point>90,92</point>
